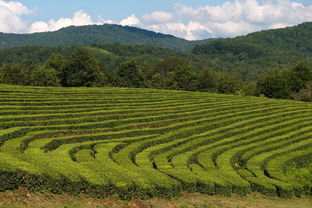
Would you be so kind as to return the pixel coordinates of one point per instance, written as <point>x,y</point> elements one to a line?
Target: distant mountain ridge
<point>295,39</point>
<point>85,35</point>
<point>248,55</point>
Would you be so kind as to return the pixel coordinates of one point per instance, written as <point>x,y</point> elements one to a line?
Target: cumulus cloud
<point>80,18</point>
<point>11,19</point>
<point>130,21</point>
<point>11,16</point>
<point>158,16</point>
<point>188,31</point>
<point>229,19</point>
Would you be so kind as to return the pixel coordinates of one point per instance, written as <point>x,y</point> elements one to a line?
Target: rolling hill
<point>152,143</point>
<point>265,48</point>
<point>296,38</point>
<point>86,35</point>
<point>248,55</point>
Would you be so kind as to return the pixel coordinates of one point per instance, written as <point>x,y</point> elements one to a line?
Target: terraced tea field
<point>145,143</point>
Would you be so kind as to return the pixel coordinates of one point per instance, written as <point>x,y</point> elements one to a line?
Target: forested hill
<point>274,63</point>
<point>85,35</point>
<point>278,44</point>
<point>287,41</point>
<point>248,56</point>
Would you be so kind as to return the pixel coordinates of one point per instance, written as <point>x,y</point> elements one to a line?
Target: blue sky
<point>196,19</point>
<point>116,9</point>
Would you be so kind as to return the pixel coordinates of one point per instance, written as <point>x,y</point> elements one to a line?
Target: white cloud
<point>188,31</point>
<point>278,25</point>
<point>11,19</point>
<point>10,16</point>
<point>229,19</point>
<point>158,16</point>
<point>130,21</point>
<point>104,21</point>
<point>80,18</point>
<point>15,7</point>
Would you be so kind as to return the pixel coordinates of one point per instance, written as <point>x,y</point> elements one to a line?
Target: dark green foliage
<point>138,65</point>
<point>281,84</point>
<point>175,73</point>
<point>41,76</point>
<point>255,53</point>
<point>273,85</point>
<point>11,74</point>
<point>136,50</point>
<point>248,56</point>
<point>298,76</point>
<point>169,65</point>
<point>305,94</point>
<point>129,75</point>
<point>28,55</point>
<point>248,89</point>
<point>56,61</point>
<point>184,78</point>
<point>227,83</point>
<point>156,81</point>
<point>164,76</point>
<point>224,47</point>
<point>81,69</point>
<point>207,80</point>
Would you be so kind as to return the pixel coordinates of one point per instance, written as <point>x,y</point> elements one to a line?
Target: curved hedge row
<point>144,143</point>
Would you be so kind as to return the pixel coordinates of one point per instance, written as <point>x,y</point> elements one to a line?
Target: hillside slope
<point>248,55</point>
<point>146,143</point>
<point>265,48</point>
<point>297,38</point>
<point>85,35</point>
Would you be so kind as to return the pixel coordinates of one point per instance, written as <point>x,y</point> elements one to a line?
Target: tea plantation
<point>152,143</point>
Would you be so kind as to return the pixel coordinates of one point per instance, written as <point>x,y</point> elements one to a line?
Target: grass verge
<point>22,198</point>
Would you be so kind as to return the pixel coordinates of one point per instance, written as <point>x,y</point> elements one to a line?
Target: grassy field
<point>144,143</point>
<point>22,198</point>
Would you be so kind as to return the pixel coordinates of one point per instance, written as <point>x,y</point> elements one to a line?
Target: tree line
<point>82,69</point>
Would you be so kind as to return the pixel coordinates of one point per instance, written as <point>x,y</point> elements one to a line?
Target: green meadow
<point>145,143</point>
